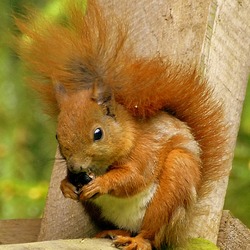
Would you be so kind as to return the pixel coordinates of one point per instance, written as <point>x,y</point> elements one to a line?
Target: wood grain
<point>19,231</point>
<point>226,63</point>
<point>232,235</point>
<point>63,218</point>
<point>76,244</point>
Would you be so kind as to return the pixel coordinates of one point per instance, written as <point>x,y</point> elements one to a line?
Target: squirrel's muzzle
<point>78,166</point>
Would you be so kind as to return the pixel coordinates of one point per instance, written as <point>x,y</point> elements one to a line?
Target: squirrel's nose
<point>77,166</point>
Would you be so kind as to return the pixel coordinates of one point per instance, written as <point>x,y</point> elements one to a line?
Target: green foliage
<point>199,244</point>
<point>27,141</point>
<point>194,244</point>
<point>27,144</point>
<point>21,198</point>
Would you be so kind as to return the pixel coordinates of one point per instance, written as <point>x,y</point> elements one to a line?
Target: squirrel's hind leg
<point>166,216</point>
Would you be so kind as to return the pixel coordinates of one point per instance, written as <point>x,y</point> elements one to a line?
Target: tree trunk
<point>211,34</point>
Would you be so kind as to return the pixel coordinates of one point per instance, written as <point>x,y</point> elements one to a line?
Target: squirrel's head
<point>93,131</point>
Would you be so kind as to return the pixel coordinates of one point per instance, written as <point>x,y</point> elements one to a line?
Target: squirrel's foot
<point>68,190</point>
<point>112,234</point>
<point>132,243</point>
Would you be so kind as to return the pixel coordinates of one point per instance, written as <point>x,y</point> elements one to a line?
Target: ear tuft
<point>103,96</point>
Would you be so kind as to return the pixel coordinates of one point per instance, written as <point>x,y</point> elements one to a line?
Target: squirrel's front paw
<point>95,187</point>
<point>69,190</point>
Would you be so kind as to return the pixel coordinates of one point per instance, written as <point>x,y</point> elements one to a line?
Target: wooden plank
<point>78,244</point>
<point>233,234</point>
<point>19,231</point>
<point>226,62</point>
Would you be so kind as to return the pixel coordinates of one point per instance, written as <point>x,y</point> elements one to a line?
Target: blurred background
<point>27,136</point>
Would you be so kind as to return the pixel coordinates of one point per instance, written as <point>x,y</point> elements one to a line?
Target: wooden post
<point>211,33</point>
<point>63,218</point>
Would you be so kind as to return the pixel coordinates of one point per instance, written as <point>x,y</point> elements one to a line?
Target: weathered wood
<point>77,244</point>
<point>226,62</point>
<point>173,29</point>
<point>213,34</point>
<point>233,234</point>
<point>19,231</point>
<point>63,218</point>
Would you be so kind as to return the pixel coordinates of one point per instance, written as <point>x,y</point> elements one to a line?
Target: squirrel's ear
<point>100,94</point>
<point>103,96</point>
<point>60,92</point>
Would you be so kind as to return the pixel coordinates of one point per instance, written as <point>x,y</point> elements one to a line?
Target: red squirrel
<point>148,134</point>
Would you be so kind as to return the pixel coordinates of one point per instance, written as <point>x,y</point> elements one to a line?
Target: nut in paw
<point>95,187</point>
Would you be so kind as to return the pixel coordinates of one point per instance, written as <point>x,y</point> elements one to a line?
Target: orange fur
<point>90,80</point>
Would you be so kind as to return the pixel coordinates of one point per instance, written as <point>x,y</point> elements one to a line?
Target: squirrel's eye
<point>98,134</point>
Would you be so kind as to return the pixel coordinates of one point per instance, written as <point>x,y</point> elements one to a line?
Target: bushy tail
<point>153,85</point>
<point>75,48</point>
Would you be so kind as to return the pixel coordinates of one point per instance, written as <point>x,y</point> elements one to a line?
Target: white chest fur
<point>126,213</point>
